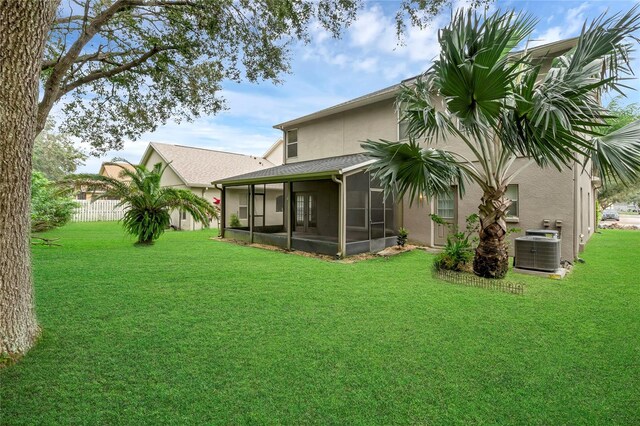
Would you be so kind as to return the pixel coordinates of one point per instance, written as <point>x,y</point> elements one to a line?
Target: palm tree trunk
<point>24,26</point>
<point>492,258</point>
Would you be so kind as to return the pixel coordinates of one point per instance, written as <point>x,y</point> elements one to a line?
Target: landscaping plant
<point>458,251</point>
<point>147,204</point>
<point>503,105</point>
<point>49,208</point>
<point>402,237</point>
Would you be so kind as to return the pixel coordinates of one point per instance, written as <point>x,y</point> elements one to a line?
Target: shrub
<point>49,207</point>
<point>459,249</point>
<point>402,237</point>
<point>235,221</point>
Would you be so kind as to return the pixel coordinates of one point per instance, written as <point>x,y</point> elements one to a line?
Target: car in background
<point>610,215</point>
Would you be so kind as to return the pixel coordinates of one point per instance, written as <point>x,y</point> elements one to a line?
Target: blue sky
<point>328,71</point>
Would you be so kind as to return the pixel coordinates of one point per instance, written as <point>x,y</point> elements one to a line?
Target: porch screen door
<point>376,222</point>
<point>306,212</point>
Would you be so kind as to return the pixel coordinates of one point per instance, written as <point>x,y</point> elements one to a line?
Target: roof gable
<point>199,166</point>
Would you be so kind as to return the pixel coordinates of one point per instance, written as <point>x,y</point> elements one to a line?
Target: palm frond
<point>408,169</point>
<point>616,156</point>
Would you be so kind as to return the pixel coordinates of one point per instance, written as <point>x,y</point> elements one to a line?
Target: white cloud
<point>572,22</point>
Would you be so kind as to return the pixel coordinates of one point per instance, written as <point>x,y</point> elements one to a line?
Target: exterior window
<point>512,194</point>
<point>403,130</point>
<point>243,208</point>
<point>184,215</point>
<point>446,205</point>
<point>81,196</point>
<point>292,143</point>
<point>279,203</point>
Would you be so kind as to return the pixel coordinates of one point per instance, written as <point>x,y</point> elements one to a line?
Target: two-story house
<point>323,200</point>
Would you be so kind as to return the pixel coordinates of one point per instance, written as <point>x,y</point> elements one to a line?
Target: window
<point>243,208</point>
<point>279,203</point>
<point>292,143</point>
<point>81,196</point>
<point>184,215</point>
<point>446,205</point>
<point>403,130</point>
<point>512,194</point>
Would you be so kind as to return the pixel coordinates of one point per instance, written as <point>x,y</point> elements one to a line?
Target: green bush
<point>402,237</point>
<point>235,221</point>
<point>460,247</point>
<point>49,208</point>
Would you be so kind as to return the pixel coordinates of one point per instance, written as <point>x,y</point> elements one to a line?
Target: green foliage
<point>503,105</point>
<point>49,207</point>
<point>144,64</point>
<point>235,221</point>
<point>54,154</point>
<point>616,192</point>
<point>461,244</point>
<point>147,204</point>
<point>402,237</point>
<point>377,342</point>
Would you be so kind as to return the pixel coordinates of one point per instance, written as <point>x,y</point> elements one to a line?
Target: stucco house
<point>110,169</point>
<point>322,198</point>
<point>195,168</point>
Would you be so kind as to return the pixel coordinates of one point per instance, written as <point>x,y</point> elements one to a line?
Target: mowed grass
<point>196,331</point>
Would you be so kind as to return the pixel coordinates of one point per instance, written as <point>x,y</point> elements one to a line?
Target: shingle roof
<point>113,170</point>
<point>200,166</point>
<point>320,167</point>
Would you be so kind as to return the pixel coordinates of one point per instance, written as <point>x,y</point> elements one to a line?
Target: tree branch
<point>95,75</point>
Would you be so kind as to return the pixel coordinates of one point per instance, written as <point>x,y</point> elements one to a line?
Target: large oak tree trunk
<point>492,258</point>
<point>24,26</point>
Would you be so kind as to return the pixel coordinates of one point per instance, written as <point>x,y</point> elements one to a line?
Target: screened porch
<point>335,212</point>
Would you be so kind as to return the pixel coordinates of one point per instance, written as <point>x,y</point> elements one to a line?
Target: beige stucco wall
<point>544,194</point>
<point>276,156</point>
<point>342,134</point>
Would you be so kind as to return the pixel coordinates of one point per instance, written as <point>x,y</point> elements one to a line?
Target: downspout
<point>341,217</point>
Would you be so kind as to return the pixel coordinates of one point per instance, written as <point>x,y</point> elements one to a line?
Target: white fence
<point>98,211</point>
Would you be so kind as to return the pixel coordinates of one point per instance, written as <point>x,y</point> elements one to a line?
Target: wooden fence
<point>101,210</point>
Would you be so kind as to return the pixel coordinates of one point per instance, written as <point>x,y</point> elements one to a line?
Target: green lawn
<point>195,331</point>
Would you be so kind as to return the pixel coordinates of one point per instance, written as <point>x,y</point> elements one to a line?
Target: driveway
<point>625,219</point>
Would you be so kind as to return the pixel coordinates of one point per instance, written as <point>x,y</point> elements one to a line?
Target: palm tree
<point>510,113</point>
<point>147,204</point>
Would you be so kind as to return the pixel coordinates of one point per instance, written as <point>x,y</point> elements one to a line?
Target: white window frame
<point>243,198</point>
<point>289,143</point>
<point>400,122</point>
<point>517,201</point>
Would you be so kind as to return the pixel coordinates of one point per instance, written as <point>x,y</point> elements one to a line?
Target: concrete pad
<point>558,274</point>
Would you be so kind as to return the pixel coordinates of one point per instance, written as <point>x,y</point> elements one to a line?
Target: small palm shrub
<point>147,204</point>
<point>402,237</point>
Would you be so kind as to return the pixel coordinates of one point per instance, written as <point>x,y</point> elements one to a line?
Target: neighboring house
<point>323,199</point>
<point>110,169</point>
<point>195,168</point>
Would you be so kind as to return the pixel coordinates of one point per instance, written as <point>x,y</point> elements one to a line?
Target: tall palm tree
<point>510,113</point>
<point>147,204</point>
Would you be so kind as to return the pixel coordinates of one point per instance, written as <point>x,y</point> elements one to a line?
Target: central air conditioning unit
<point>538,250</point>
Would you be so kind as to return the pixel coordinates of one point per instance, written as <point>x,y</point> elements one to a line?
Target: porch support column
<point>342,240</point>
<point>250,212</point>
<point>287,214</point>
<point>223,210</point>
